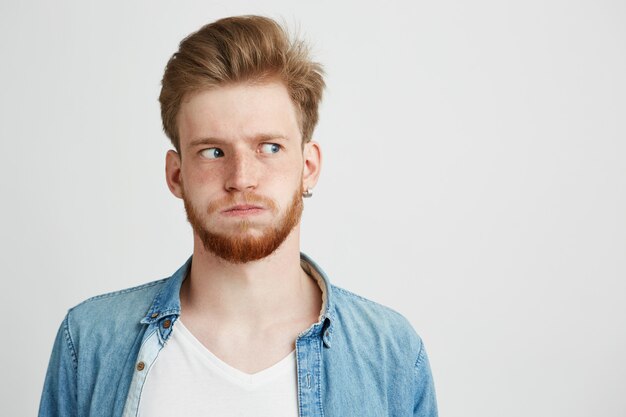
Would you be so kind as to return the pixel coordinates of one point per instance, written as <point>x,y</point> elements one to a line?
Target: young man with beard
<point>248,325</point>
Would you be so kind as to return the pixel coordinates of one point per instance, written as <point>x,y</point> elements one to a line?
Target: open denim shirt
<point>360,359</point>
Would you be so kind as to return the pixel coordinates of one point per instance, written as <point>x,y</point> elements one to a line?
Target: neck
<point>254,293</point>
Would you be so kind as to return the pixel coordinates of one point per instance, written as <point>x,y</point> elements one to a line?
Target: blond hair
<point>240,49</point>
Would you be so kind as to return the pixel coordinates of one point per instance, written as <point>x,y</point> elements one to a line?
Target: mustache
<point>241,199</point>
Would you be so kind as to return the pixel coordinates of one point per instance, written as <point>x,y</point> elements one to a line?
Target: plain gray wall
<point>473,179</point>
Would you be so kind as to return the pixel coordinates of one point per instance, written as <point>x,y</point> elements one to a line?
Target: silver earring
<point>308,193</point>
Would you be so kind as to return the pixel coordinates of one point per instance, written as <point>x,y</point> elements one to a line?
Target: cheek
<point>200,186</point>
<point>288,175</point>
<point>288,186</point>
<point>292,169</point>
<point>202,176</point>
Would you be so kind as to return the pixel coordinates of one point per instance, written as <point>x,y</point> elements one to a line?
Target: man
<point>248,325</point>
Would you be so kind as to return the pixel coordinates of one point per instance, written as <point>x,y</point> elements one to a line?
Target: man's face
<point>241,170</point>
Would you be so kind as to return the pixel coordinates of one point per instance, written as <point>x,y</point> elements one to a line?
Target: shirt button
<point>154,315</point>
<point>167,324</point>
<point>140,366</point>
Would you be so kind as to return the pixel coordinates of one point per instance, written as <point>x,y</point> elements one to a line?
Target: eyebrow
<point>219,141</point>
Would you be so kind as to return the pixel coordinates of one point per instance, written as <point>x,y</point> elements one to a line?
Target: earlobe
<point>312,165</point>
<point>172,173</point>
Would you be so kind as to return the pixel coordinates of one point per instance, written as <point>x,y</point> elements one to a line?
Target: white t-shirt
<point>187,380</point>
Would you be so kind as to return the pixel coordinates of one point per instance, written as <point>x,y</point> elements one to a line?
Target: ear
<point>172,173</point>
<point>312,164</point>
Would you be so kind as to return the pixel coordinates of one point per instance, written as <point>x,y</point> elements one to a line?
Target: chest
<point>187,379</point>
<point>248,350</point>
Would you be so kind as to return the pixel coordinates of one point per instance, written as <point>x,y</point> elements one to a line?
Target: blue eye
<point>270,148</point>
<point>212,153</point>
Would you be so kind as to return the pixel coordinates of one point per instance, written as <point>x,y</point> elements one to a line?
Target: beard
<point>241,247</point>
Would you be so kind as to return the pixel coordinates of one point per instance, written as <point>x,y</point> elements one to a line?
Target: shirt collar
<point>167,301</point>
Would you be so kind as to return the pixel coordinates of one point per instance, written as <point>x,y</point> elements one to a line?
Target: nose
<point>242,175</point>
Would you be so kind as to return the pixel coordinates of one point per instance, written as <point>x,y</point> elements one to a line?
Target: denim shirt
<point>360,359</point>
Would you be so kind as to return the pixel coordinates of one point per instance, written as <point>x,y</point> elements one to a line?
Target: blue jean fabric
<point>360,359</point>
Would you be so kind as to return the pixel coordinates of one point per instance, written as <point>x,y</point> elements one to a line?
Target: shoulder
<point>115,313</point>
<point>374,323</point>
<point>124,300</point>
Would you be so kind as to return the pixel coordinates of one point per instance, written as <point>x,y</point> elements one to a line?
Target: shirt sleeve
<point>425,399</point>
<point>58,398</point>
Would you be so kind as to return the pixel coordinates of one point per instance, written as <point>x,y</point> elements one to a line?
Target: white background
<point>473,179</point>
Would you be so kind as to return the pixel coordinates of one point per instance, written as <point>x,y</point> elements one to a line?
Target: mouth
<point>243,210</point>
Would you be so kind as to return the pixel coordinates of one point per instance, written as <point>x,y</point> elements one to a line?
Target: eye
<point>212,153</point>
<point>270,148</point>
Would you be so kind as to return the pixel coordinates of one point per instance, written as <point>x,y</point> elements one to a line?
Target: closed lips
<point>243,207</point>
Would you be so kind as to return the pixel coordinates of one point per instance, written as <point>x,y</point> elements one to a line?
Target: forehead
<point>238,111</point>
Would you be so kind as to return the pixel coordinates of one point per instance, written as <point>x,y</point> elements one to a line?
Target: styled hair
<point>241,49</point>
